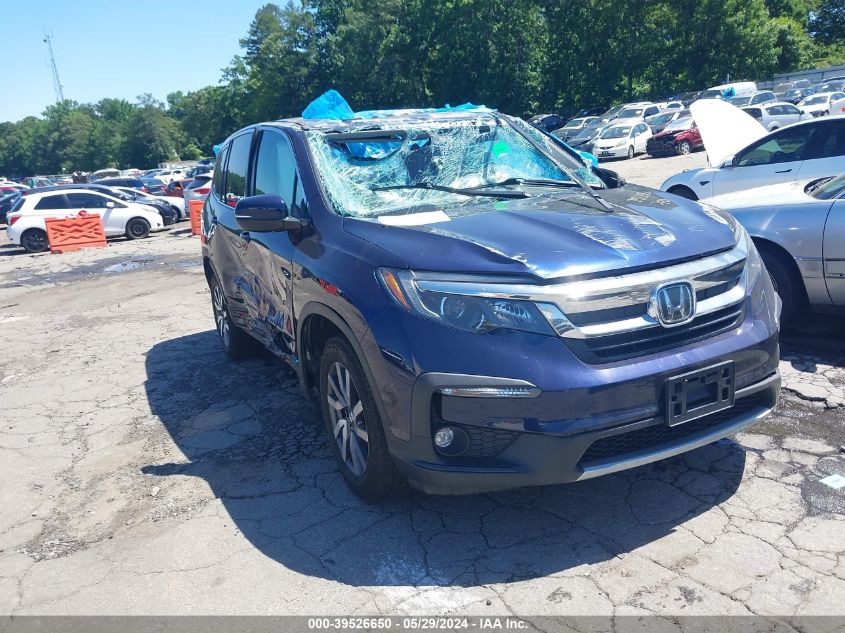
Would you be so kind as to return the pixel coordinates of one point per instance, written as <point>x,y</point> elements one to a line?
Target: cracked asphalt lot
<point>144,473</point>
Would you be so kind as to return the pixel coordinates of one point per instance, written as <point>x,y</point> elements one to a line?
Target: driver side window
<point>785,146</point>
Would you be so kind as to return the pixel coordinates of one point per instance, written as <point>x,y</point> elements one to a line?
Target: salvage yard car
<point>799,229</point>
<point>26,219</point>
<point>680,137</point>
<point>776,115</point>
<point>475,309</point>
<point>622,141</point>
<point>743,155</point>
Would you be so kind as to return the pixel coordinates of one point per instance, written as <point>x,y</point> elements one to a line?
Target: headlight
<point>466,312</point>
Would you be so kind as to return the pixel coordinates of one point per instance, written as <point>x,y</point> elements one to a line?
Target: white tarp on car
<point>725,129</point>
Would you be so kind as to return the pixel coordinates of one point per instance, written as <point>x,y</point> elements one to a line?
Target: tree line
<point>521,56</point>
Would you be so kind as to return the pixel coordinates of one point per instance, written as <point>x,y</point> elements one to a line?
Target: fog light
<point>444,437</point>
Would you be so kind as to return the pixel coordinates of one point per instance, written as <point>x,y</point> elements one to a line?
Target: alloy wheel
<point>347,416</point>
<point>35,241</point>
<point>220,316</point>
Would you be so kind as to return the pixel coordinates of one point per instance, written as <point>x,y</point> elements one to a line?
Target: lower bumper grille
<point>606,349</point>
<point>657,435</point>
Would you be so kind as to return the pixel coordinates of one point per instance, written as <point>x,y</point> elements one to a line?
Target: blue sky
<point>115,48</point>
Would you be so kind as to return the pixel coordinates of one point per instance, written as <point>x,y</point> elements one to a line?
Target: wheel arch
<point>317,323</point>
<point>764,244</point>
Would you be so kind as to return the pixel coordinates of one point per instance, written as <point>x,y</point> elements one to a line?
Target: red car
<point>176,188</point>
<point>679,137</point>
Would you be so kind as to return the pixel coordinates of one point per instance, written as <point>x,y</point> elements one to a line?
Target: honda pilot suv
<point>477,309</point>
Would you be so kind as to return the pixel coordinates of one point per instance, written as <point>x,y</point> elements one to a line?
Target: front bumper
<point>661,147</point>
<point>611,152</point>
<point>531,459</point>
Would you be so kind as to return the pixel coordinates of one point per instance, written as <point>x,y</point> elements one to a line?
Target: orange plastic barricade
<point>195,209</point>
<point>67,235</point>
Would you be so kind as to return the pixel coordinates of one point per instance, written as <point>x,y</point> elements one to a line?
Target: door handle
<point>783,171</point>
<point>245,236</point>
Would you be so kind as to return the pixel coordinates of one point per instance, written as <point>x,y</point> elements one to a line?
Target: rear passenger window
<point>275,172</point>
<point>236,169</point>
<point>220,173</point>
<point>51,202</point>
<point>833,143</point>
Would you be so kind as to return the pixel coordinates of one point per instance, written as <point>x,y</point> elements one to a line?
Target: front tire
<point>35,241</point>
<point>630,152</point>
<point>137,229</point>
<point>684,147</point>
<point>354,425</point>
<point>788,286</point>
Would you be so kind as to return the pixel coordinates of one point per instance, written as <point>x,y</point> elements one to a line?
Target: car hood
<point>781,194</point>
<point>724,129</point>
<point>553,235</point>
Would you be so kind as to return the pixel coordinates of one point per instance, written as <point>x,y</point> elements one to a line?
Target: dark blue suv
<point>476,308</point>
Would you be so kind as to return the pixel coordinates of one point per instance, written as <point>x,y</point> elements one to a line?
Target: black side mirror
<point>264,213</point>
<point>609,177</point>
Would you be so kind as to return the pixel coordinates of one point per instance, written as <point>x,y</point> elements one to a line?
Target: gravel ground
<point>144,473</point>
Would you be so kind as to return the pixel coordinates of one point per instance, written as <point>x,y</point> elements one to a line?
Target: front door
<point>773,159</point>
<point>267,259</point>
<point>834,252</point>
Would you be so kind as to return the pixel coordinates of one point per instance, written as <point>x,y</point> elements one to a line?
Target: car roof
<point>383,120</point>
<point>59,189</point>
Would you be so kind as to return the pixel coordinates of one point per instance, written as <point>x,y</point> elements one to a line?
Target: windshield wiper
<point>535,182</point>
<point>456,190</point>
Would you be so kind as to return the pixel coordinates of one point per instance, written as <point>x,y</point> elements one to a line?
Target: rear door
<point>112,217</point>
<point>268,256</point>
<point>225,239</point>
<point>826,153</point>
<point>773,159</point>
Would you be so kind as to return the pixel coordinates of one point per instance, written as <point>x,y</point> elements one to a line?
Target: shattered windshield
<point>383,171</point>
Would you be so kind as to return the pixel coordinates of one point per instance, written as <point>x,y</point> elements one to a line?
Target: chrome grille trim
<point>558,301</point>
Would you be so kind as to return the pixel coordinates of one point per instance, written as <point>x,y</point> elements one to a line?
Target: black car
<point>793,95</point>
<point>547,122</point>
<point>134,183</point>
<point>590,112</point>
<point>6,203</point>
<point>169,214</point>
<point>154,186</point>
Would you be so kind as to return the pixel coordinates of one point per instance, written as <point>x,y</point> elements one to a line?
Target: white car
<point>197,189</point>
<point>26,219</point>
<point>820,104</point>
<point>169,175</point>
<point>635,114</point>
<point>776,115</point>
<point>178,204</point>
<point>743,154</point>
<point>622,141</point>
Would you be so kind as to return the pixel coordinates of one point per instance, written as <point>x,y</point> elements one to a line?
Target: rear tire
<point>684,192</point>
<point>137,229</point>
<point>35,241</point>
<point>790,289</point>
<point>236,343</point>
<point>353,424</point>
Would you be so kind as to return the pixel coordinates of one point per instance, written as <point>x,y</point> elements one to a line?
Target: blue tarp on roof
<point>332,105</point>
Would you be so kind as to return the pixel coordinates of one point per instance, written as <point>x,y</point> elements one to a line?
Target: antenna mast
<point>57,84</point>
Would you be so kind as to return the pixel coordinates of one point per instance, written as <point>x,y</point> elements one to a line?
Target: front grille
<point>606,349</point>
<point>658,435</point>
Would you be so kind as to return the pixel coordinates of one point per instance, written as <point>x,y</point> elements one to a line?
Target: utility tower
<point>57,85</point>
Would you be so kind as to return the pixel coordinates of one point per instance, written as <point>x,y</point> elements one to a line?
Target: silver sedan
<point>799,229</point>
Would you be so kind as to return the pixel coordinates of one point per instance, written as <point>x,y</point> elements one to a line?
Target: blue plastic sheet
<point>332,105</point>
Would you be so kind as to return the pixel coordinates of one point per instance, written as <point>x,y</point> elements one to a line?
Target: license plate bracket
<point>699,393</point>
